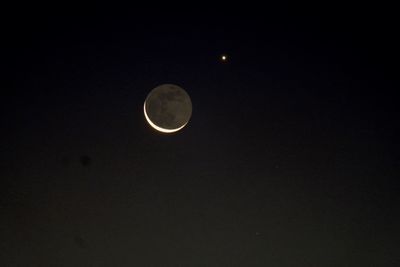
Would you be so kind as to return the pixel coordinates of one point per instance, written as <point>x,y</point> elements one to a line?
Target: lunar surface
<point>168,108</point>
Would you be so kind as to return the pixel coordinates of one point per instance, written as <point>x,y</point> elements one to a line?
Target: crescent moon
<point>158,128</point>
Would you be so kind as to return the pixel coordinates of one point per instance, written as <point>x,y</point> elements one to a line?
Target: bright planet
<point>167,108</point>
<point>224,57</point>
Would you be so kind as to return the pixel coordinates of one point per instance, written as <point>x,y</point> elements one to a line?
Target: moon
<point>167,108</point>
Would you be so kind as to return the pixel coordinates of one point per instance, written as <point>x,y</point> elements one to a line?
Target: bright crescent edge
<point>157,127</point>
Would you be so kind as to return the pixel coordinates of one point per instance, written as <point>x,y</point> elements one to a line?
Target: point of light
<point>158,128</point>
<point>224,58</point>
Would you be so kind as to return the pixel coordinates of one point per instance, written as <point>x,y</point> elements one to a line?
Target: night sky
<point>291,156</point>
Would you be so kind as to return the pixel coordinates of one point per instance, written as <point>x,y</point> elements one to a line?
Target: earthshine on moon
<point>167,108</point>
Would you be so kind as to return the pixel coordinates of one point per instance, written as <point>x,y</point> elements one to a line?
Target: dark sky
<point>290,157</point>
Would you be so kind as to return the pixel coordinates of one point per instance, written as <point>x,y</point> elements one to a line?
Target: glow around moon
<point>167,108</point>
